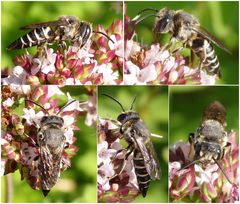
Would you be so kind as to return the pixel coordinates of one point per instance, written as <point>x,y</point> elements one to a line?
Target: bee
<point>136,134</point>
<point>185,28</point>
<point>66,28</point>
<point>209,142</point>
<point>51,142</point>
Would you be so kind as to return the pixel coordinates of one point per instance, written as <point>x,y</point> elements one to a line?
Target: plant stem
<point>8,185</point>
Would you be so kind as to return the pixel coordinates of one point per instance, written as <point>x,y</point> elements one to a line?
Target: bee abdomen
<point>142,175</point>
<point>211,62</point>
<point>48,171</point>
<point>35,37</point>
<point>205,51</point>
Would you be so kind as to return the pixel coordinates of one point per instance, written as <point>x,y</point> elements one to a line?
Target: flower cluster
<point>114,185</point>
<point>100,61</point>
<point>204,183</point>
<point>155,65</point>
<point>21,120</point>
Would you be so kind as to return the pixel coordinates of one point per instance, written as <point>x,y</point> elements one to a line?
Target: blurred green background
<point>187,105</point>
<point>152,105</point>
<point>219,18</point>
<point>78,182</point>
<point>18,14</point>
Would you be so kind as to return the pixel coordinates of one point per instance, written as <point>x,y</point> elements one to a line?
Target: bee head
<point>71,19</point>
<point>164,21</point>
<point>85,32</point>
<point>52,119</point>
<point>208,151</point>
<point>125,115</point>
<point>129,115</point>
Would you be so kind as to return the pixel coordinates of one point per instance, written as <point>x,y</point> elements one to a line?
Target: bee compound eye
<point>70,20</point>
<point>44,118</point>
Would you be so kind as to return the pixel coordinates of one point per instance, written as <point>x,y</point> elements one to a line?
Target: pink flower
<point>90,107</point>
<point>104,173</point>
<point>45,65</point>
<point>114,187</point>
<point>139,76</point>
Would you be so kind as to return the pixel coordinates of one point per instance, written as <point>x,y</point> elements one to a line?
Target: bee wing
<point>49,164</point>
<point>204,33</point>
<point>45,24</point>
<point>150,157</point>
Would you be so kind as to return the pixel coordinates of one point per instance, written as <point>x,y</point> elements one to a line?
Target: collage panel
<point>48,144</point>
<point>62,42</point>
<point>177,42</point>
<point>132,144</point>
<point>204,144</point>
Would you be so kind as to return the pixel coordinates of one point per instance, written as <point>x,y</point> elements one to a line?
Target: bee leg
<point>36,158</point>
<point>229,150</point>
<point>115,122</point>
<point>119,151</point>
<point>191,141</point>
<point>31,140</point>
<point>177,50</point>
<point>229,146</point>
<point>166,46</point>
<point>62,47</point>
<point>41,51</point>
<point>156,37</point>
<point>192,59</point>
<point>130,150</point>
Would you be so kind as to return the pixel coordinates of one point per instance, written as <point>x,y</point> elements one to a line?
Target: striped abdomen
<point>35,37</point>
<point>49,170</point>
<point>142,175</point>
<point>204,50</point>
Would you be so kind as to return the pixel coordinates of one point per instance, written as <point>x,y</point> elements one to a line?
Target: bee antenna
<point>115,101</point>
<point>220,167</point>
<point>29,100</point>
<point>147,9</point>
<point>67,104</point>
<point>191,163</point>
<point>137,20</point>
<point>104,35</point>
<point>133,102</point>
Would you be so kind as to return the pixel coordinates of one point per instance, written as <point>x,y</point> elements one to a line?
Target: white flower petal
<point>68,120</point>
<point>147,74</point>
<point>207,79</point>
<point>173,76</point>
<point>18,76</point>
<point>52,90</point>
<point>8,103</point>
